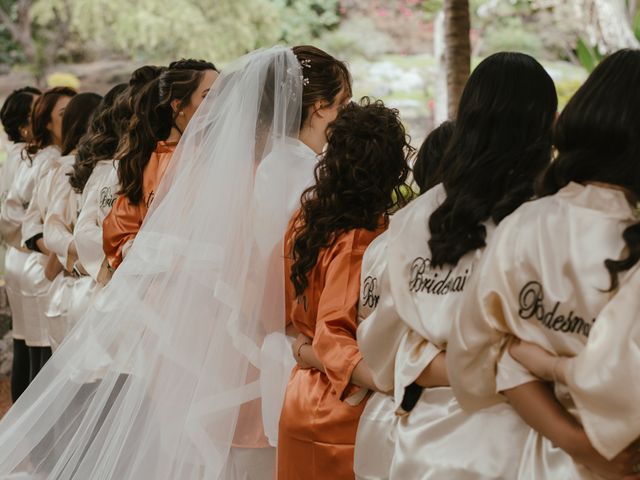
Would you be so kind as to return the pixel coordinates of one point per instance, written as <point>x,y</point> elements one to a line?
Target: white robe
<point>35,287</point>
<point>436,439</point>
<point>543,280</point>
<point>10,231</point>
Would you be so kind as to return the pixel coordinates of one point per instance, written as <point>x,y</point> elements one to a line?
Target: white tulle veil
<point>150,383</point>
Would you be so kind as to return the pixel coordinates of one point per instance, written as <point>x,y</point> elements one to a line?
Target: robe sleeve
<point>120,227</point>
<point>11,218</point>
<point>88,236</point>
<point>334,342</point>
<point>479,329</point>
<point>32,224</point>
<point>602,378</point>
<point>58,223</point>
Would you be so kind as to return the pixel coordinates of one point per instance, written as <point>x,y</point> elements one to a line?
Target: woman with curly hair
<point>364,164</point>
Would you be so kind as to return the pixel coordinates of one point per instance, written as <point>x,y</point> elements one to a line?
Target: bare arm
<point>435,374</point>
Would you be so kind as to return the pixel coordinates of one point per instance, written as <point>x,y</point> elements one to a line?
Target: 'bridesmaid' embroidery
<point>531,305</point>
<point>370,295</point>
<point>425,279</point>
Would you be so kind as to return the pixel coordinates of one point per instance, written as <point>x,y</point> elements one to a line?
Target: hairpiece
<point>306,63</point>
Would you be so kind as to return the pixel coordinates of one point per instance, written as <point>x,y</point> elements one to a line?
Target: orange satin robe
<point>317,429</point>
<point>123,222</point>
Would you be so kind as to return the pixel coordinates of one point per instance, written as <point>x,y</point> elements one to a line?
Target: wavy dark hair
<point>597,137</point>
<point>364,164</point>
<point>77,118</point>
<point>428,168</point>
<point>41,116</point>
<point>99,142</point>
<point>16,111</point>
<point>152,120</point>
<point>325,77</point>
<point>500,144</point>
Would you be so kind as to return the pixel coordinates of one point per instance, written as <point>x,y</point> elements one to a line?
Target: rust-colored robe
<point>317,426</point>
<point>124,220</point>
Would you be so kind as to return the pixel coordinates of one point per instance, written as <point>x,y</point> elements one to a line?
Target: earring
<point>181,113</point>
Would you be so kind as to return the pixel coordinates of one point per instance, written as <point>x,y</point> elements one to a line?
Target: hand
<point>534,358</point>
<point>620,467</point>
<point>297,347</point>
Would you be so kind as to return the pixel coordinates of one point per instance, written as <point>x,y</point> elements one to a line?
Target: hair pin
<point>305,81</point>
<point>306,63</point>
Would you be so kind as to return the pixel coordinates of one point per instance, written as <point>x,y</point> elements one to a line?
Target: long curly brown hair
<point>357,181</point>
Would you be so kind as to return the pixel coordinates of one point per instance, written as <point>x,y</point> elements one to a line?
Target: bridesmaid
<point>363,165</point>
<point>95,176</point>
<point>161,114</point>
<point>15,114</point>
<point>551,269</point>
<point>59,210</point>
<point>43,154</point>
<point>378,319</point>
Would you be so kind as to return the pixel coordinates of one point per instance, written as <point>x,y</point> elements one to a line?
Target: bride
<point>150,383</point>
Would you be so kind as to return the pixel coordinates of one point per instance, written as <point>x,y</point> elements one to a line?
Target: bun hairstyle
<point>76,119</point>
<point>364,164</point>
<point>597,137</point>
<point>41,116</point>
<point>501,142</point>
<point>16,111</point>
<point>324,78</point>
<point>428,168</point>
<point>99,142</point>
<point>153,118</point>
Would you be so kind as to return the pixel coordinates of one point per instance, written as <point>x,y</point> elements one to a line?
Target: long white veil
<point>150,383</point>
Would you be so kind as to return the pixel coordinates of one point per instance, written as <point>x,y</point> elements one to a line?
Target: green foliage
<point>636,25</point>
<point>512,34</point>
<point>62,79</point>
<point>303,20</point>
<point>347,41</point>
<point>566,88</point>
<point>588,56</point>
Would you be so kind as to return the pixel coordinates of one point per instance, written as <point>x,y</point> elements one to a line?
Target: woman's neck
<point>174,136</point>
<point>313,139</point>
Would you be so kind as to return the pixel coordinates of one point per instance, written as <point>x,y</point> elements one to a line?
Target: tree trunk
<point>457,49</point>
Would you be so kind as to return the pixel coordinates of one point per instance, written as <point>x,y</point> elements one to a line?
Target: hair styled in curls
<point>597,136</point>
<point>99,142</point>
<point>16,110</point>
<point>364,165</point>
<point>41,117</point>
<point>152,120</point>
<point>428,168</point>
<point>76,119</point>
<point>501,142</point>
<point>325,77</point>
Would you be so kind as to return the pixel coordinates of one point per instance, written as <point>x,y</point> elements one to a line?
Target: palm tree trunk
<point>457,50</point>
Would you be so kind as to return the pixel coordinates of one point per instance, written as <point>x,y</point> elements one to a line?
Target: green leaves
<point>588,55</point>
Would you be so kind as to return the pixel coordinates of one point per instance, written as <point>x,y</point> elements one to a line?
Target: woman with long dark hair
<point>43,153</point>
<point>59,211</point>
<point>561,273</point>
<point>364,164</point>
<point>161,114</point>
<point>15,114</point>
<point>501,141</point>
<point>378,319</point>
<point>95,174</point>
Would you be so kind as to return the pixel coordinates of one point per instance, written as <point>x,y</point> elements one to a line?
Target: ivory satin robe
<point>436,439</point>
<point>123,222</point>
<point>321,410</point>
<point>13,173</point>
<point>35,287</point>
<point>543,279</point>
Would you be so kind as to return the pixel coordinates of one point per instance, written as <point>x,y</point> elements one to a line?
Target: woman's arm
<point>538,407</point>
<point>435,374</point>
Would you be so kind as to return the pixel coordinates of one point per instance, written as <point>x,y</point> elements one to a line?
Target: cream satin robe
<point>35,287</point>
<point>436,439</point>
<point>543,279</point>
<point>98,196</point>
<point>377,320</point>
<point>71,291</point>
<point>11,214</point>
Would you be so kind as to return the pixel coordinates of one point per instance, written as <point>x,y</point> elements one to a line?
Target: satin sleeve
<point>32,223</point>
<point>11,218</point>
<point>119,229</point>
<point>602,378</point>
<point>479,330</point>
<point>58,224</point>
<point>334,342</point>
<point>88,236</point>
